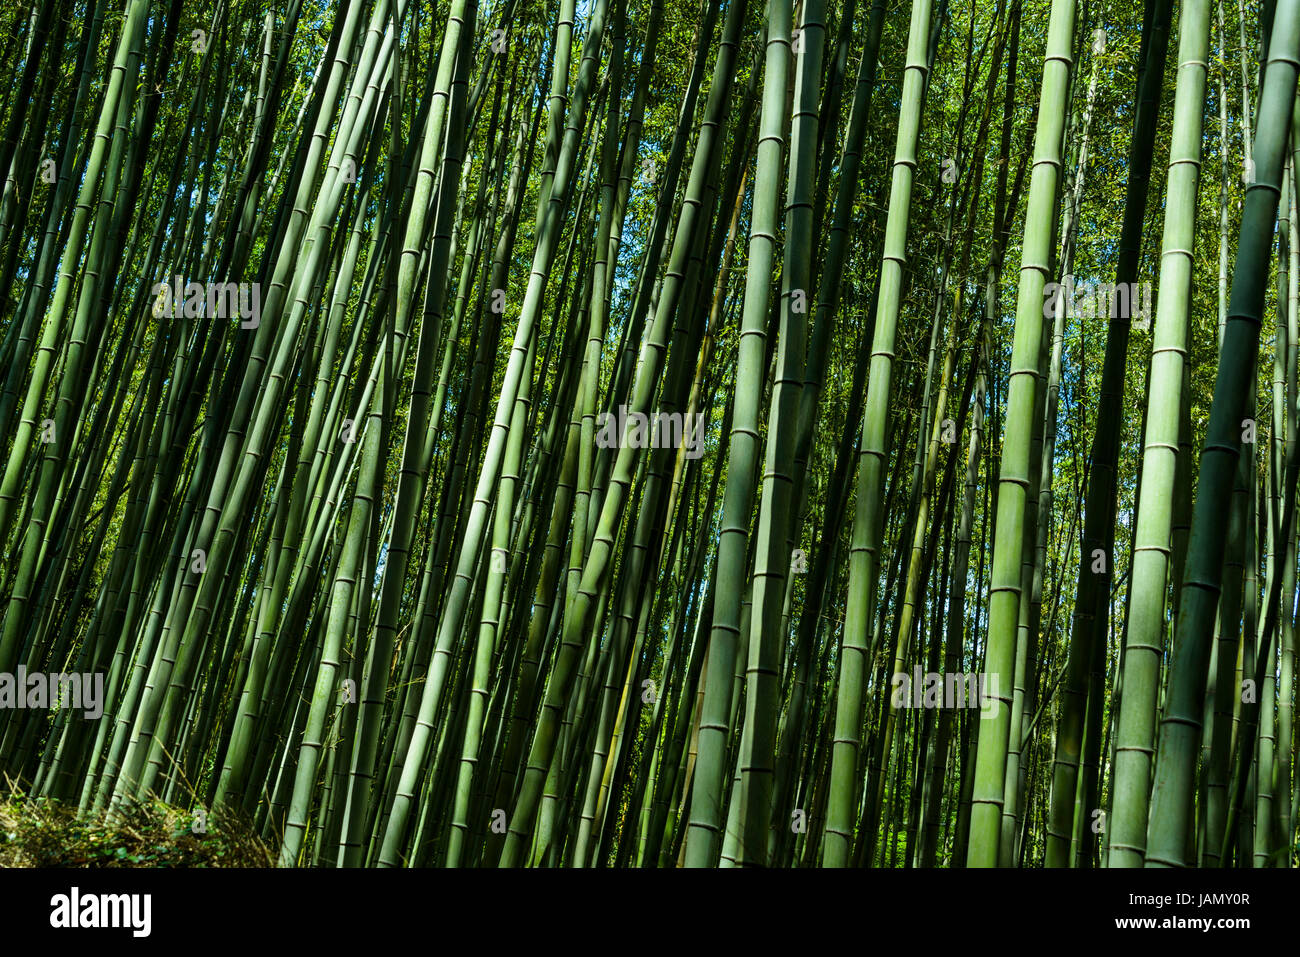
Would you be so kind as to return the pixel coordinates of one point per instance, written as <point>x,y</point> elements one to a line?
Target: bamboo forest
<point>653,433</point>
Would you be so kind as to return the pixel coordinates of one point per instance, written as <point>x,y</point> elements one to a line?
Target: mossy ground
<point>43,833</point>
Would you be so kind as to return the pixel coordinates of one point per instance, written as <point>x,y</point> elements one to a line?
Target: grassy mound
<point>43,833</point>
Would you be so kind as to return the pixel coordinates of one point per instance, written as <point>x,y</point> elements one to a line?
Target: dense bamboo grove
<point>656,433</point>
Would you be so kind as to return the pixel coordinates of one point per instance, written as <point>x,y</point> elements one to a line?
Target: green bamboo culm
<point>864,554</point>
<point>1173,791</point>
<point>1096,569</point>
<point>703,841</point>
<point>1144,639</point>
<point>1013,480</point>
